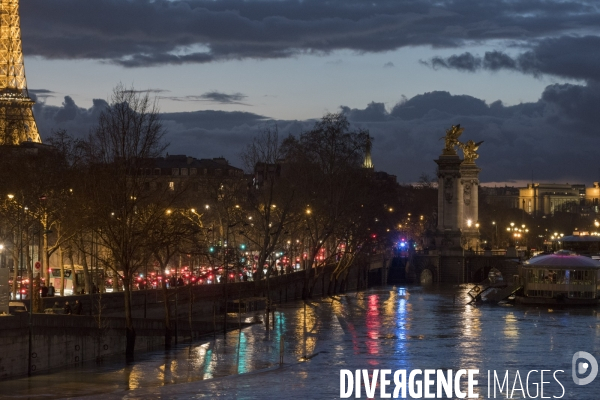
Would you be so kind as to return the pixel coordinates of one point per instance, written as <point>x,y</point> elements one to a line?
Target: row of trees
<point>93,200</point>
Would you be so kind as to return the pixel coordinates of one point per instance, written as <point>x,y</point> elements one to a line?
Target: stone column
<point>449,192</point>
<point>470,188</point>
<point>450,201</point>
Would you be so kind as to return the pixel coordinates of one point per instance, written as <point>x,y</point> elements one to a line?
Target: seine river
<point>393,328</point>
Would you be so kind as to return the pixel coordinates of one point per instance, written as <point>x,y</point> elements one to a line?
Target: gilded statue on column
<point>470,151</point>
<point>451,138</point>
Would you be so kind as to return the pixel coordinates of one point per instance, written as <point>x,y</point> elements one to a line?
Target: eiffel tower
<point>16,115</point>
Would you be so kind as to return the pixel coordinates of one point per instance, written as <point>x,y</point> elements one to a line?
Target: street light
<point>512,230</point>
<point>18,268</point>
<point>477,241</point>
<point>30,296</point>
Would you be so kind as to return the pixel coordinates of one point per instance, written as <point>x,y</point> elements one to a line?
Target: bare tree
<point>325,161</point>
<point>166,239</point>
<point>270,198</point>
<point>120,150</point>
<point>39,179</point>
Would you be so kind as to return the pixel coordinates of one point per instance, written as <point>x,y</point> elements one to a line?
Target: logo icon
<point>581,367</point>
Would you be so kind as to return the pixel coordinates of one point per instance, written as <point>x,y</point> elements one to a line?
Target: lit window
<point>171,185</point>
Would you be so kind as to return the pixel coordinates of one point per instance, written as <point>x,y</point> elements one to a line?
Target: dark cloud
<point>67,112</point>
<point>145,32</point>
<point>436,103</point>
<point>462,62</point>
<point>388,64</point>
<point>575,57</point>
<point>215,120</point>
<point>40,94</point>
<point>149,91</point>
<point>213,97</point>
<point>554,138</point>
<point>496,60</point>
<point>40,91</point>
<point>373,112</point>
<point>567,56</point>
<point>223,98</point>
<point>76,120</point>
<point>576,107</point>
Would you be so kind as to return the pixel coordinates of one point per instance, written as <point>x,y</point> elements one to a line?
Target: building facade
<point>547,198</point>
<point>175,171</point>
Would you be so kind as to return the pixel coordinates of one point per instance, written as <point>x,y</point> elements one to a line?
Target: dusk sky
<point>521,75</point>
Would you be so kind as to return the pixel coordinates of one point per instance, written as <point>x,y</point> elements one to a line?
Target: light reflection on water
<point>395,327</point>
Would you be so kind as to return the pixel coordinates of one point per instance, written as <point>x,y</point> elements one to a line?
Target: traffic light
<point>243,246</point>
<point>211,249</point>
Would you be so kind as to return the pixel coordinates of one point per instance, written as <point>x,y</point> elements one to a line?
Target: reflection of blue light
<point>242,367</point>
<point>401,330</point>
<point>401,322</point>
<point>207,364</point>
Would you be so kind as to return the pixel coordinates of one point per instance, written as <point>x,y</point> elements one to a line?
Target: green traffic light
<point>243,246</point>
<point>211,249</point>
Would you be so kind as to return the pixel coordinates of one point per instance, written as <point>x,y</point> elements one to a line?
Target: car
<point>16,307</point>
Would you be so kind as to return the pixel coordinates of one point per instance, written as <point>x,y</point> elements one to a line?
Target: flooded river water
<point>396,328</point>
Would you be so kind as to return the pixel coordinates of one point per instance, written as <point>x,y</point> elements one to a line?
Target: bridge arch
<point>426,277</point>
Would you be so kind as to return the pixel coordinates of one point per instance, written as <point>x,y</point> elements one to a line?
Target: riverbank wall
<point>59,341</point>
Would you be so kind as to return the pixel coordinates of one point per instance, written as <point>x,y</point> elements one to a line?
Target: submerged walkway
<point>392,327</point>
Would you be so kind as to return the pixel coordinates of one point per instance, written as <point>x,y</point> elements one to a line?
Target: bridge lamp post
<point>477,241</point>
